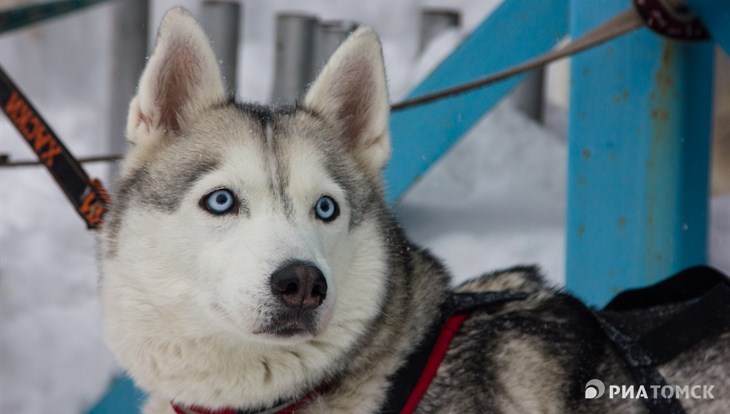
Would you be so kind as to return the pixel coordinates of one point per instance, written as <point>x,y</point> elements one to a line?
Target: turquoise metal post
<point>516,31</point>
<point>123,398</point>
<point>639,142</point>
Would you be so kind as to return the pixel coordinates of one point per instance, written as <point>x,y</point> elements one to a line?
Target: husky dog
<point>249,258</point>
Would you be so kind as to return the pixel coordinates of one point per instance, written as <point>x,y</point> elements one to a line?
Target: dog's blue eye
<point>219,202</point>
<point>326,209</point>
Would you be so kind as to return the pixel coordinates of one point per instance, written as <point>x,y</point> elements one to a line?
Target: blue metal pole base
<point>639,146</point>
<point>123,398</point>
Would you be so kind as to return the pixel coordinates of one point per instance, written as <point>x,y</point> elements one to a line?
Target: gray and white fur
<point>195,309</point>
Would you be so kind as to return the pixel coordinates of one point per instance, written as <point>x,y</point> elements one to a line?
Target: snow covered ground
<point>495,200</point>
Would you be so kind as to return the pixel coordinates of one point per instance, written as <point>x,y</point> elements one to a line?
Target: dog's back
<point>537,354</point>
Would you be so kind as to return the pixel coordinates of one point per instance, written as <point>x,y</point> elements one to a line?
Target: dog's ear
<point>351,91</point>
<point>180,78</point>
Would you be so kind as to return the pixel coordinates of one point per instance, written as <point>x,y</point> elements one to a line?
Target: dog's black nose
<point>299,285</point>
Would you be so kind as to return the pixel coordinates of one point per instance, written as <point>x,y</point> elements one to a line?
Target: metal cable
<point>625,22</point>
<point>4,163</point>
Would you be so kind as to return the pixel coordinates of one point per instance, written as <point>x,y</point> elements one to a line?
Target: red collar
<point>285,408</point>
<point>198,410</point>
<point>428,371</point>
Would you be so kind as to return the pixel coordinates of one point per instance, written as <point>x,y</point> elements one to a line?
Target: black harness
<point>703,296</point>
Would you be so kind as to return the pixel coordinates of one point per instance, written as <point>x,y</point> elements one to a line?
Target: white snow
<point>52,356</point>
<point>495,200</point>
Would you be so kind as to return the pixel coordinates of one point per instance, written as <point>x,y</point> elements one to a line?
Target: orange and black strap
<point>86,194</point>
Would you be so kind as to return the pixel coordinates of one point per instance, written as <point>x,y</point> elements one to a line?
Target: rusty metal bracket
<point>672,18</point>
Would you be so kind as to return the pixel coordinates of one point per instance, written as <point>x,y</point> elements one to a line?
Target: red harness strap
<point>199,410</point>
<point>446,335</point>
<point>448,331</point>
<point>290,409</point>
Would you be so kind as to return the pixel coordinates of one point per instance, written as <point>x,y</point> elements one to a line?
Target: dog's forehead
<point>288,140</point>
<point>280,148</point>
<point>259,128</point>
<point>293,150</point>
<point>272,144</point>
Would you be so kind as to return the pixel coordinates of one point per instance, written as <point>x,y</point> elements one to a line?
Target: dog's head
<point>244,222</point>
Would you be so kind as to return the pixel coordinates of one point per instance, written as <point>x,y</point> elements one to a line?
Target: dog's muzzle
<point>299,285</point>
<point>299,289</point>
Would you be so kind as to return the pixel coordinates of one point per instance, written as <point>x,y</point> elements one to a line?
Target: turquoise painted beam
<point>516,31</point>
<point>122,398</point>
<point>638,157</point>
<point>715,15</point>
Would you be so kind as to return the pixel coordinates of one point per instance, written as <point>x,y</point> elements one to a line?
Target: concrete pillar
<point>221,22</point>
<point>128,51</point>
<point>529,96</point>
<point>435,21</point>
<point>295,38</point>
<point>329,36</point>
